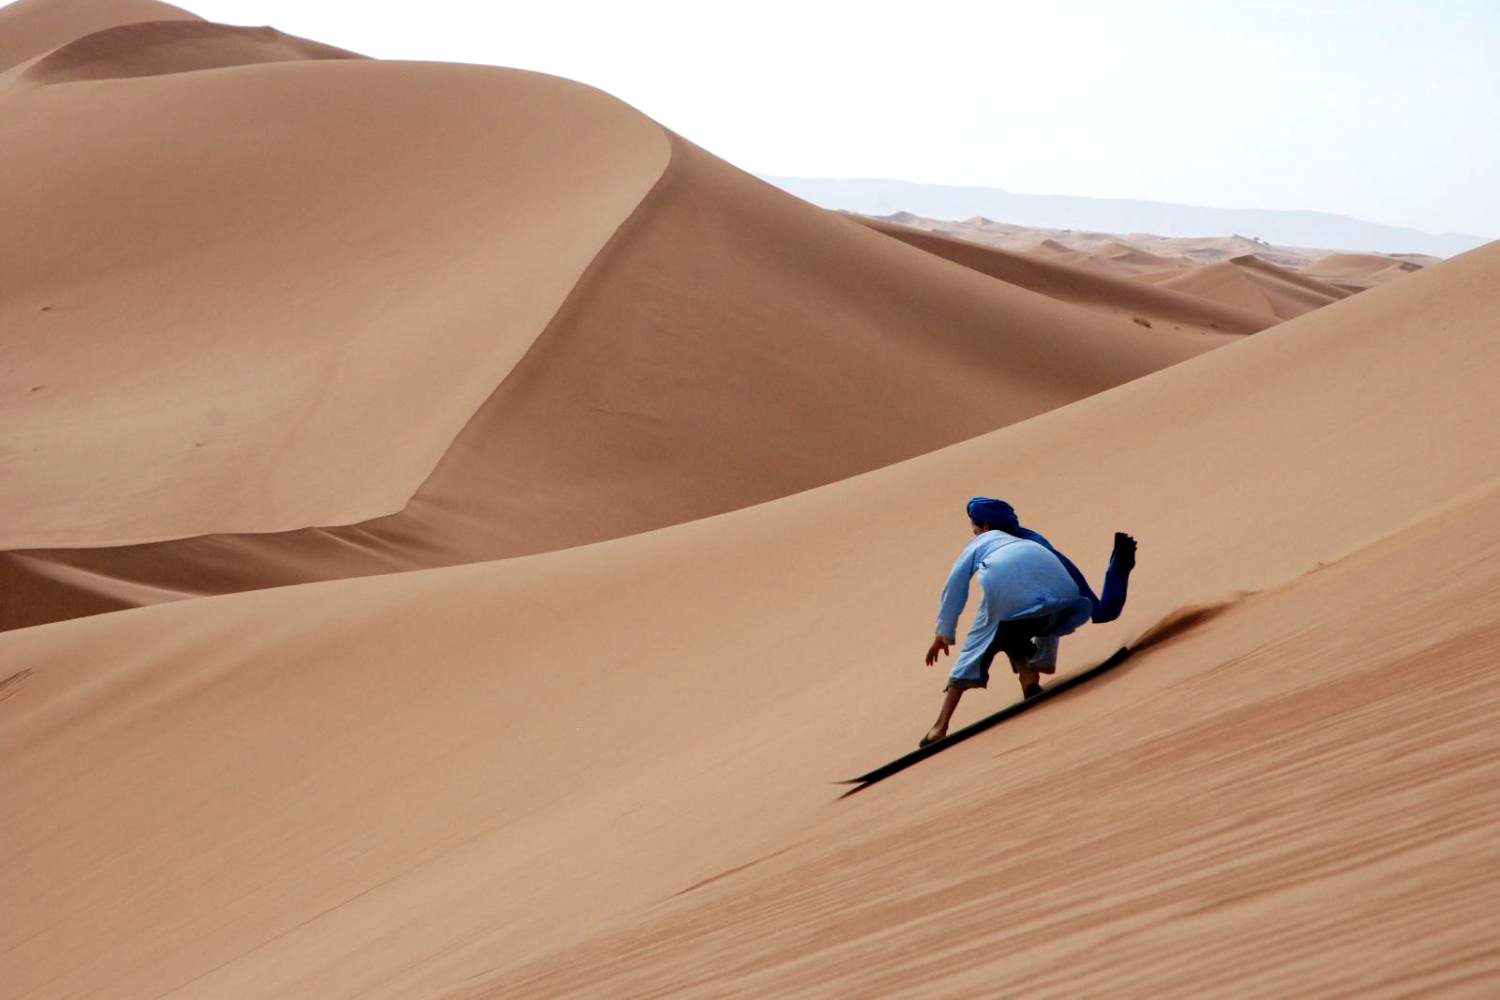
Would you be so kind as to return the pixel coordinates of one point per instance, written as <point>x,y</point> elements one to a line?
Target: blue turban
<point>995,513</point>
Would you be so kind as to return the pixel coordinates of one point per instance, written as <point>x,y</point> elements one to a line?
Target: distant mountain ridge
<point>1294,228</point>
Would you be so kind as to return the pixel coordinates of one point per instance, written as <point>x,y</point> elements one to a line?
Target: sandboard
<point>974,729</point>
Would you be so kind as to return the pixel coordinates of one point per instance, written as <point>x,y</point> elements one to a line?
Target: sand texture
<point>456,532</point>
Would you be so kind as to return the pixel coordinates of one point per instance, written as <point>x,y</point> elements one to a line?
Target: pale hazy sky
<point>1385,110</point>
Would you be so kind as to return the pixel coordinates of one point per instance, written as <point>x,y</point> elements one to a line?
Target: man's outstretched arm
<point>1116,580</point>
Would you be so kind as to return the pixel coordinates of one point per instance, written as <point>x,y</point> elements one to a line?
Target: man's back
<point>1021,578</point>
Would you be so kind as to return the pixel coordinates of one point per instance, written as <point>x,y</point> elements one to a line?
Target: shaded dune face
<point>158,47</point>
<point>1111,294</point>
<point>728,346</point>
<point>30,28</point>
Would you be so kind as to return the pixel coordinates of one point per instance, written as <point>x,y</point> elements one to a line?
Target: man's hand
<point>938,643</point>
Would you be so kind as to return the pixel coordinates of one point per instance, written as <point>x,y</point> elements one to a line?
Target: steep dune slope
<point>29,28</point>
<point>731,344</point>
<point>268,296</point>
<point>497,776</point>
<point>1092,289</point>
<point>1283,800</point>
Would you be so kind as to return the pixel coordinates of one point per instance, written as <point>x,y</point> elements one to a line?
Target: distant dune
<point>1293,228</point>
<point>1355,271</point>
<point>1256,286</point>
<point>1046,272</point>
<point>1250,277</point>
<point>456,534</point>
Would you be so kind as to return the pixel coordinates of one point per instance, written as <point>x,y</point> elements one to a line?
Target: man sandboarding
<point>1032,596</point>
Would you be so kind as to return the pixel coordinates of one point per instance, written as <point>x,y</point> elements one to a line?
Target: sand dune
<point>1109,256</point>
<point>1254,285</point>
<point>155,48</point>
<point>443,782</point>
<point>1358,264</point>
<point>1106,293</point>
<point>1358,271</point>
<point>1150,257</point>
<point>1124,253</point>
<point>668,384</point>
<point>30,28</point>
<point>220,333</point>
<point>1051,246</point>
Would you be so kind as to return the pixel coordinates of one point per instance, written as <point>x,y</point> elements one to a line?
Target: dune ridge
<point>30,28</point>
<point>153,48</point>
<point>1254,285</point>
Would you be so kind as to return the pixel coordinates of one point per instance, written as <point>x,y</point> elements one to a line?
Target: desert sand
<point>572,523</point>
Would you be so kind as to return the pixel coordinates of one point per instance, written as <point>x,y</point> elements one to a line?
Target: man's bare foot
<point>1031,691</point>
<point>933,735</point>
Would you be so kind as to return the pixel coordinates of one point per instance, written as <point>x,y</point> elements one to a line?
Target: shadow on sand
<point>1169,627</point>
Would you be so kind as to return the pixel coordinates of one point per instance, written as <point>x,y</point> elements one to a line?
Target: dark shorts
<point>1013,638</point>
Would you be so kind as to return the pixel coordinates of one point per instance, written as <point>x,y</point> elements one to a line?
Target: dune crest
<point>154,48</point>
<point>30,28</point>
<point>1254,285</point>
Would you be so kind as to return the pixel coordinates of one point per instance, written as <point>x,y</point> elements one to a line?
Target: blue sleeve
<point>1116,580</point>
<point>956,592</point>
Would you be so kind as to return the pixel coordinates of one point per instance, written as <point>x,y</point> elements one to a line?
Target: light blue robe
<point>1018,578</point>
